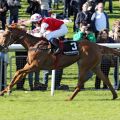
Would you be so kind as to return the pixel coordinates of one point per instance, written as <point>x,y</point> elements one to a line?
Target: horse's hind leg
<point>105,79</point>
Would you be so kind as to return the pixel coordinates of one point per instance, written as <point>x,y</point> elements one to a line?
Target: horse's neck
<point>29,41</point>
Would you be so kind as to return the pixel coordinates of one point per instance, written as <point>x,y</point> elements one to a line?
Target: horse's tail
<point>107,50</point>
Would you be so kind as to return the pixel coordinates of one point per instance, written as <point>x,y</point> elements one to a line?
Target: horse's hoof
<point>68,99</point>
<point>8,92</point>
<point>1,94</point>
<point>115,96</point>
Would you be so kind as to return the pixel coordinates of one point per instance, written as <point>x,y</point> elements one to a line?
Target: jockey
<point>50,28</point>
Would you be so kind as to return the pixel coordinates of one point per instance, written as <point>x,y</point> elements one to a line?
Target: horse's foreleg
<point>13,82</point>
<point>100,74</point>
<point>17,78</point>
<point>20,74</point>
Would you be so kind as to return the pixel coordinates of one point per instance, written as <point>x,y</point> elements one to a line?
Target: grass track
<point>88,105</point>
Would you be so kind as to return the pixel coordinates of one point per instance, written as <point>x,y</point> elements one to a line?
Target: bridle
<point>13,40</point>
<point>5,46</point>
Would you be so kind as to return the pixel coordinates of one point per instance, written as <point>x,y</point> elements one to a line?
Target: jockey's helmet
<point>36,17</point>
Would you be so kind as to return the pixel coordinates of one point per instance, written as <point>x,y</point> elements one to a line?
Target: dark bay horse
<point>40,57</point>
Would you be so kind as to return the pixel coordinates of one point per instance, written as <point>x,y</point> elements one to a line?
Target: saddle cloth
<point>69,47</point>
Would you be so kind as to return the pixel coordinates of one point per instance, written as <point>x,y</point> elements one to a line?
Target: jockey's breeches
<point>57,33</point>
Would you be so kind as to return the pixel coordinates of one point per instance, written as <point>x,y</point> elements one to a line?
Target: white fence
<point>15,47</point>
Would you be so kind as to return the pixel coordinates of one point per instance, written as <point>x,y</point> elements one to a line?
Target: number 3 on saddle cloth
<point>68,47</point>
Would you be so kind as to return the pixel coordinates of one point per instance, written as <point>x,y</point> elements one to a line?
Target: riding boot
<point>54,41</point>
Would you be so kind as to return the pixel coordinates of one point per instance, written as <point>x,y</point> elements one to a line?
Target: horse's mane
<point>36,38</point>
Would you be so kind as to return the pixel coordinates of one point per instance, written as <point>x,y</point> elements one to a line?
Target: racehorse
<point>41,58</point>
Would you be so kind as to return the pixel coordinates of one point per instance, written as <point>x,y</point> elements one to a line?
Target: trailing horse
<point>40,57</point>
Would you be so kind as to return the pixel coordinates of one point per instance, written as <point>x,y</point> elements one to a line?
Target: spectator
<point>99,19</point>
<point>46,74</point>
<point>14,6</point>
<point>80,4</point>
<point>35,85</point>
<point>20,63</point>
<point>83,15</point>
<point>115,34</point>
<point>55,21</point>
<point>58,78</point>
<point>77,4</point>
<point>88,75</point>
<point>79,36</point>
<point>91,6</point>
<point>106,62</point>
<point>110,5</point>
<point>74,8</point>
<point>116,78</point>
<point>34,7</point>
<point>99,1</point>
<point>84,29</point>
<point>50,3</point>
<point>3,65</point>
<point>67,8</point>
<point>116,31</point>
<point>55,4</point>
<point>3,11</point>
<point>44,8</point>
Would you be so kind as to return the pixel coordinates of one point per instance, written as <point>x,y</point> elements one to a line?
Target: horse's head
<point>12,34</point>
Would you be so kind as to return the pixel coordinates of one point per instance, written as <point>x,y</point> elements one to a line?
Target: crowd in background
<point>90,21</point>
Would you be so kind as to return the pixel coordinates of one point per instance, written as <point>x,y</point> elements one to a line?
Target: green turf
<point>88,105</point>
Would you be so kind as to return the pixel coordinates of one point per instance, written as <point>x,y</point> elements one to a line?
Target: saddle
<point>66,47</point>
